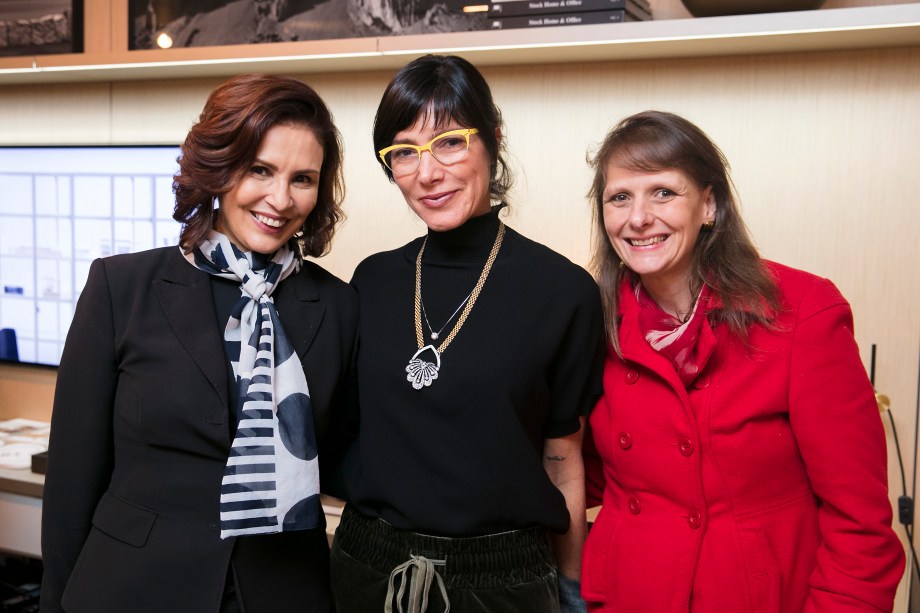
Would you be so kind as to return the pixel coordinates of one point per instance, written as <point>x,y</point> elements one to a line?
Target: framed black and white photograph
<point>38,27</point>
<point>195,23</point>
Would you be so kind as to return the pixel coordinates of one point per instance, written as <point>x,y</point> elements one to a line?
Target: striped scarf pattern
<point>271,480</point>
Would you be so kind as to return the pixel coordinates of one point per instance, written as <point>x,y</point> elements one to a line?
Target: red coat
<point>760,487</point>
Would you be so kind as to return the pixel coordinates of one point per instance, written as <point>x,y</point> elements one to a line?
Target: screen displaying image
<point>61,208</point>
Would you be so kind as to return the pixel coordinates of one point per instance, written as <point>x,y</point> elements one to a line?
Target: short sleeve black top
<point>463,457</point>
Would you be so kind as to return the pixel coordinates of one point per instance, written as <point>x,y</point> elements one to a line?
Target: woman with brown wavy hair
<point>737,451</point>
<point>198,382</point>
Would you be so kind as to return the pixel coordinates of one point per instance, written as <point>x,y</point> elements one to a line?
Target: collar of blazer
<point>184,294</point>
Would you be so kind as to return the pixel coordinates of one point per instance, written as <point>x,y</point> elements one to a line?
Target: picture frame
<point>40,27</point>
<point>163,24</point>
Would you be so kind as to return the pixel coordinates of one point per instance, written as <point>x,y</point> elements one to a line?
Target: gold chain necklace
<point>423,373</point>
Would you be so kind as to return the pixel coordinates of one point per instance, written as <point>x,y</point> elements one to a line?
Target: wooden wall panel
<point>51,114</point>
<point>158,112</point>
<point>26,391</point>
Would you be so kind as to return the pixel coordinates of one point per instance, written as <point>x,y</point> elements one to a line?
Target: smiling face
<point>653,220</point>
<point>445,196</point>
<point>276,193</point>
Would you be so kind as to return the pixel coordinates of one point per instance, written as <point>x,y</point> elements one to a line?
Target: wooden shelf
<point>802,31</point>
<point>21,481</point>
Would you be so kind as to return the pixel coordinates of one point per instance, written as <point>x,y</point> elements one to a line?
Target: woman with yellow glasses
<point>480,354</point>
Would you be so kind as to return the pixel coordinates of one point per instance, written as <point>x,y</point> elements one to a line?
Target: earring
<point>301,242</point>
<point>709,224</point>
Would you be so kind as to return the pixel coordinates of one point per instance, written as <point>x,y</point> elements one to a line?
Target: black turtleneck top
<point>463,457</point>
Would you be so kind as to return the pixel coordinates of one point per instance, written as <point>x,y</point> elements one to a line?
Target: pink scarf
<point>672,338</point>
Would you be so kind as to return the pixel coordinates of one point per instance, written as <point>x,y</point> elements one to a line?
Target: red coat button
<point>694,519</point>
<point>625,440</point>
<point>634,507</point>
<point>632,376</point>
<point>685,445</point>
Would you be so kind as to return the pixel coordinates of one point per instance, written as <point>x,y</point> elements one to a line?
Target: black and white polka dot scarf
<point>271,481</point>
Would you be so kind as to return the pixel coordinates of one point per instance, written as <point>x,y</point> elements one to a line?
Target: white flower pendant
<point>422,373</point>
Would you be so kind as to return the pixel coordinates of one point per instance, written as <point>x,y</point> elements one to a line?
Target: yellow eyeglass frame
<point>465,132</point>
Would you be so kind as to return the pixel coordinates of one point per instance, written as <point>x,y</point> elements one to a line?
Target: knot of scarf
<point>271,479</point>
<point>675,339</point>
<point>255,286</point>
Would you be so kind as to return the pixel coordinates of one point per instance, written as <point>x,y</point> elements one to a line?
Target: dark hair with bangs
<point>724,256</point>
<point>222,145</point>
<point>442,88</point>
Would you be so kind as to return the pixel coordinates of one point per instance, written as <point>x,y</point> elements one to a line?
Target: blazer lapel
<point>300,310</point>
<point>184,294</point>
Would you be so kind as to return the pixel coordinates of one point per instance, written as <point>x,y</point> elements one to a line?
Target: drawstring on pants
<point>421,573</point>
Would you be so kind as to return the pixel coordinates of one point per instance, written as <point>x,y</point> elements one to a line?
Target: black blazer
<point>140,436</point>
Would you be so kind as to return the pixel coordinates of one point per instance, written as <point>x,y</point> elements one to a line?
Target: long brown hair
<point>724,256</point>
<point>222,145</point>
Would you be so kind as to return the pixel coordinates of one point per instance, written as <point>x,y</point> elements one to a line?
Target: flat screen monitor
<point>61,208</point>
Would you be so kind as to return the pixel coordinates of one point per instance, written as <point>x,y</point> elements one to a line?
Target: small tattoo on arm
<point>556,458</point>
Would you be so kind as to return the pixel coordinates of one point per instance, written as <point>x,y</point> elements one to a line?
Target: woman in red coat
<point>737,451</point>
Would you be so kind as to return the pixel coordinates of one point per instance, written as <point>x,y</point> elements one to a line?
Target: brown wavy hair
<point>724,256</point>
<point>223,143</point>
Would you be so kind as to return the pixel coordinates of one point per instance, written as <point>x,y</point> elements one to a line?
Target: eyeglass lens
<point>447,149</point>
